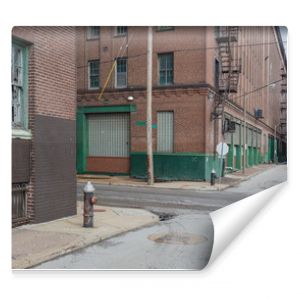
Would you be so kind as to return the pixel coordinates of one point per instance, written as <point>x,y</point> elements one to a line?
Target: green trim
<point>81,142</point>
<point>82,129</point>
<point>238,164</point>
<point>230,156</point>
<point>176,166</point>
<point>107,109</point>
<point>144,123</point>
<point>25,105</point>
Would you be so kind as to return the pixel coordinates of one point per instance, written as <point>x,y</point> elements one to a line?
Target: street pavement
<point>162,199</point>
<point>182,240</point>
<point>36,243</point>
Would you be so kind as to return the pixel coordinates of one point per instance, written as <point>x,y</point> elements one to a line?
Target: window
<point>121,73</point>
<point>93,74</point>
<point>165,28</point>
<point>19,86</point>
<point>165,132</point>
<point>120,30</point>
<point>165,68</point>
<point>93,32</point>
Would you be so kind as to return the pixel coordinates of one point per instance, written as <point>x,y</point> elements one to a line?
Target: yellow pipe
<point>107,80</point>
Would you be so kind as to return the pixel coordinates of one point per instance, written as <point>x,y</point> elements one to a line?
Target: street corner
<point>37,243</point>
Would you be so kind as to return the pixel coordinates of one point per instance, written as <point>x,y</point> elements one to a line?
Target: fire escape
<point>228,77</point>
<point>283,110</point>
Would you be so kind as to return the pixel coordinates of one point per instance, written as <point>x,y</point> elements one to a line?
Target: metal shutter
<point>165,131</point>
<point>109,134</point>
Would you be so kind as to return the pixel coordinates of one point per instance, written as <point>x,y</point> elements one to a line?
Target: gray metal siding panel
<point>165,131</point>
<point>55,173</point>
<point>236,134</point>
<point>109,134</point>
<point>227,138</point>
<point>249,137</point>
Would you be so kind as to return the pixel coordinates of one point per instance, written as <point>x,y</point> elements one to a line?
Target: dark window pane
<point>94,73</point>
<point>165,68</point>
<point>93,32</point>
<point>121,30</point>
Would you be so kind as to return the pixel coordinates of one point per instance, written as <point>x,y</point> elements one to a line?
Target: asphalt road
<point>163,199</point>
<point>182,240</point>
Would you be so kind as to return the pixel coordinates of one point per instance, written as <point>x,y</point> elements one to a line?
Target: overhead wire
<point>187,50</point>
<point>115,62</point>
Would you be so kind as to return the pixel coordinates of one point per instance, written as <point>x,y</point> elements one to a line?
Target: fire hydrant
<point>89,201</point>
<point>213,177</point>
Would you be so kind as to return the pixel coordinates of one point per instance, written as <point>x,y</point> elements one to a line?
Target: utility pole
<point>275,144</point>
<point>244,137</point>
<point>149,108</point>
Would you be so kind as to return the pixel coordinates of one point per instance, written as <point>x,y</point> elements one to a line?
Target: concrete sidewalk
<point>34,244</point>
<point>229,180</point>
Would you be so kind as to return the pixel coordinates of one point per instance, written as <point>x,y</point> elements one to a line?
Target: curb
<point>78,243</point>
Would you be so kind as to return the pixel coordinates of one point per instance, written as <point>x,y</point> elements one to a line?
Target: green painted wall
<point>271,149</point>
<point>176,166</point>
<point>238,157</point>
<point>81,142</point>
<point>230,155</point>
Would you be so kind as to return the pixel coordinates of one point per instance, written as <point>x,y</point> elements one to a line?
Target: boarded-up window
<point>236,134</point>
<point>259,140</point>
<point>109,135</point>
<point>249,137</point>
<point>254,142</point>
<point>227,137</point>
<point>242,134</point>
<point>165,133</point>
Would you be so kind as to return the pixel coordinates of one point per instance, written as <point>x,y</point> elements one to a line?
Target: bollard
<point>89,201</point>
<point>213,177</point>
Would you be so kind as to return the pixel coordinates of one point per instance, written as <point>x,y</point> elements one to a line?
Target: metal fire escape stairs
<point>230,69</point>
<point>283,106</point>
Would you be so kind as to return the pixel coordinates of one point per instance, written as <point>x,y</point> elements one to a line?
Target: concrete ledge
<point>37,243</point>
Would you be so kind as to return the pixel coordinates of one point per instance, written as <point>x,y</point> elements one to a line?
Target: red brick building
<point>43,123</point>
<point>197,72</point>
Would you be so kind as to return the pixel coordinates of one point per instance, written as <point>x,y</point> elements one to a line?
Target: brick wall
<point>51,100</point>
<point>188,46</point>
<point>195,50</point>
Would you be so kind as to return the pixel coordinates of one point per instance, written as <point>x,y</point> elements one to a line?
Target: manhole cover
<point>177,238</point>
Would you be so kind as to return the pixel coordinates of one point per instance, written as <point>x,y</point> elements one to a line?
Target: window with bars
<point>93,32</point>
<point>120,30</point>
<point>94,81</point>
<point>19,86</point>
<point>166,68</point>
<point>121,73</point>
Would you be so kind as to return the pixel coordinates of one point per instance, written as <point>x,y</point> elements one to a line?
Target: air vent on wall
<point>258,113</point>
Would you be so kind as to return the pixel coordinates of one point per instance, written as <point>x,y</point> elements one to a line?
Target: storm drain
<point>177,238</point>
<point>165,217</point>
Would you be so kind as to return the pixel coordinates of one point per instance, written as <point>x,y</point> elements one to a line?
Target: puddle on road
<point>177,239</point>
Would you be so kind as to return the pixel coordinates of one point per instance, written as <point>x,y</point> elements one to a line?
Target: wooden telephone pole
<point>149,108</point>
